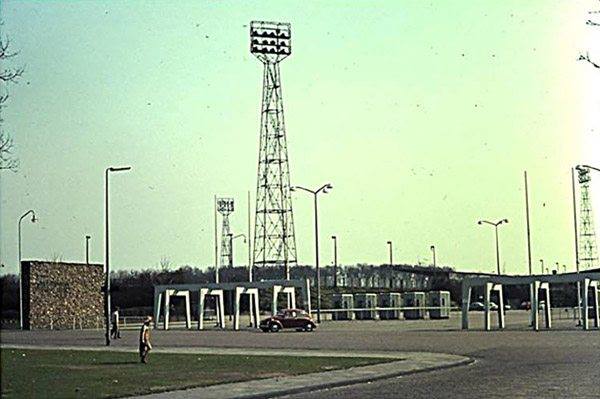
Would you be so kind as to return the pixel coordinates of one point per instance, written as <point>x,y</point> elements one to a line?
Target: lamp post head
<point>480,222</point>
<point>33,218</point>
<point>334,237</point>
<point>505,220</point>
<point>292,188</point>
<point>389,242</point>
<point>88,237</point>
<point>119,169</point>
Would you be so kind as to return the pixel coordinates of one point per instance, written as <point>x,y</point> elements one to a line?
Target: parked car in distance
<point>288,318</point>
<point>481,306</point>
<point>525,305</point>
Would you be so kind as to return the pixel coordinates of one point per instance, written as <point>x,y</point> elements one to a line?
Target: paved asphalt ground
<point>517,362</point>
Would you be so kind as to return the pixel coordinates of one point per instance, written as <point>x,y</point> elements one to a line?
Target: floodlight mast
<point>274,237</point>
<point>225,207</point>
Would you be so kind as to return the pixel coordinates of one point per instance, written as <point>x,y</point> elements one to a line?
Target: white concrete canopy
<point>536,282</point>
<point>287,286</point>
<point>253,306</point>
<point>290,296</point>
<point>219,306</point>
<point>167,294</point>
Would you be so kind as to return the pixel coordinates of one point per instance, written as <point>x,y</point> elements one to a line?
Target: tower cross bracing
<point>274,238</point>
<point>588,249</point>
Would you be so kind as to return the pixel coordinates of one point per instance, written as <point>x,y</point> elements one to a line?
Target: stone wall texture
<point>60,295</point>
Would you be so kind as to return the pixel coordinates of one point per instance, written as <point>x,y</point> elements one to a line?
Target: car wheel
<point>274,327</point>
<point>308,328</point>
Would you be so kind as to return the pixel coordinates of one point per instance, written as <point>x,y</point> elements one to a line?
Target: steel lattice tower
<point>588,249</point>
<point>274,239</point>
<point>225,208</point>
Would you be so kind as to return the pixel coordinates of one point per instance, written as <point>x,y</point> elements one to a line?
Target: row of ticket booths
<point>391,305</point>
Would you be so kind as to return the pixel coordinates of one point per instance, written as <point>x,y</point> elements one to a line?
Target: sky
<point>422,115</point>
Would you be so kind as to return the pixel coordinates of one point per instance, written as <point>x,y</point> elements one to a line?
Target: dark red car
<point>289,318</point>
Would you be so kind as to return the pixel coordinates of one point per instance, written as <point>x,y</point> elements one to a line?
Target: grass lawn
<point>100,374</point>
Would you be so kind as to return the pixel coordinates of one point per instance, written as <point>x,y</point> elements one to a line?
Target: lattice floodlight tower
<point>225,208</point>
<point>588,249</point>
<point>274,239</point>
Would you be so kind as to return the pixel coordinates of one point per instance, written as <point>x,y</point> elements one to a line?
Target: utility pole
<point>335,265</point>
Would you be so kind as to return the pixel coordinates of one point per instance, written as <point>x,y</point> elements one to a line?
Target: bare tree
<point>8,75</point>
<point>586,57</point>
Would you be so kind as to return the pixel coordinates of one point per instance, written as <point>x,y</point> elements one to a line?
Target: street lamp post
<point>542,265</point>
<point>231,238</point>
<point>497,242</point>
<point>106,250</point>
<point>433,250</point>
<point>335,271</point>
<point>33,220</point>
<point>315,193</point>
<point>390,251</point>
<point>87,249</point>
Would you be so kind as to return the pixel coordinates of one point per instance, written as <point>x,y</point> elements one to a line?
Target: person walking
<point>115,332</point>
<point>145,345</point>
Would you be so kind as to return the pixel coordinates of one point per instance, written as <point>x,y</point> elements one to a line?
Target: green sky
<point>423,115</point>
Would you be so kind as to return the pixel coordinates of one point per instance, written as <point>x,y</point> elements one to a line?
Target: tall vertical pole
<point>317,261</point>
<point>249,243</point>
<point>497,251</point>
<point>20,280</point>
<point>106,262</point>
<point>216,243</point>
<point>87,249</point>
<point>335,266</point>
<point>576,244</point>
<point>434,260</point>
<point>528,225</point>
<point>391,258</point>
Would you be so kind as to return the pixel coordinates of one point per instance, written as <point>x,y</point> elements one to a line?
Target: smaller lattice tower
<point>225,208</point>
<point>588,249</point>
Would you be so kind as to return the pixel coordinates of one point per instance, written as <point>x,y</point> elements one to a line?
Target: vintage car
<point>288,318</point>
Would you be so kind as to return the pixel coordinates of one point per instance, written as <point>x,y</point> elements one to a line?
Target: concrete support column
<point>157,299</point>
<point>276,290</point>
<point>201,297</point>
<point>466,302</point>
<point>584,297</point>
<point>254,315</point>
<point>596,310</point>
<point>188,313</point>
<point>535,289</point>
<point>167,312</point>
<point>501,319</point>
<point>306,297</point>
<point>486,302</point>
<point>220,308</point>
<point>236,307</point>
<point>547,309</point>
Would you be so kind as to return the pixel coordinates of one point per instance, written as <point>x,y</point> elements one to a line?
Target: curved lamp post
<point>33,220</point>
<point>231,238</point>
<point>323,189</point>
<point>106,248</point>
<point>498,223</point>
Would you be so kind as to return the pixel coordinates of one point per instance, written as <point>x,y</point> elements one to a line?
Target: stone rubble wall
<point>60,295</point>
